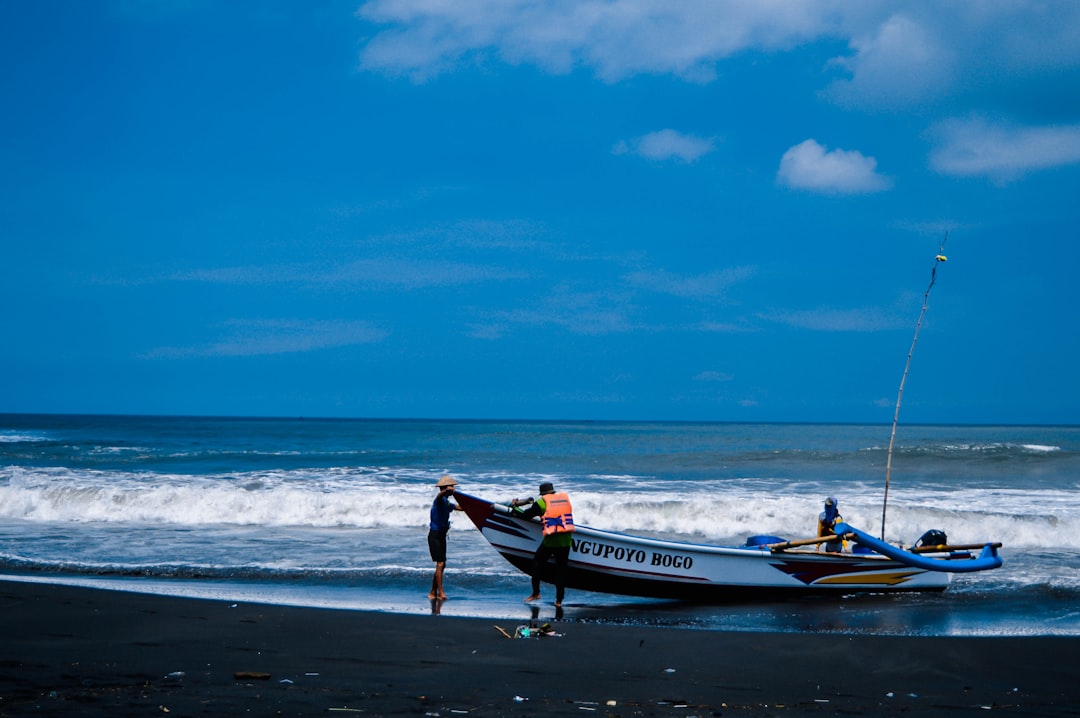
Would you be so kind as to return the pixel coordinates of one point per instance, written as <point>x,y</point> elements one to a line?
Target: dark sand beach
<point>69,651</point>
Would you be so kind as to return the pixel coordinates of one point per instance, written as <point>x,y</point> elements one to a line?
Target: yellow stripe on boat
<point>877,579</point>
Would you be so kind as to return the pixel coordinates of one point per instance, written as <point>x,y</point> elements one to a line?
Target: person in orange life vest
<point>826,525</point>
<point>558,519</point>
<point>437,529</point>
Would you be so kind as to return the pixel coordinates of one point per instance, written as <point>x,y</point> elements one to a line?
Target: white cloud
<point>976,147</point>
<point>809,166</point>
<point>278,336</point>
<point>700,286</point>
<point>372,274</point>
<point>666,145</point>
<point>714,376</point>
<point>835,320</point>
<point>722,327</point>
<point>389,273</point>
<point>579,312</point>
<point>616,39</point>
<point>900,53</point>
<point>898,62</point>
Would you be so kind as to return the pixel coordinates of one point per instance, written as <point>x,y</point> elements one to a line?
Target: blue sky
<point>528,209</point>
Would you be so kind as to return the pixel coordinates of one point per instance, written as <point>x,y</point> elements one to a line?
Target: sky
<point>531,209</point>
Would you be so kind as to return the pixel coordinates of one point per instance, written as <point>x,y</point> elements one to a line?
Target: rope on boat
<point>900,395</point>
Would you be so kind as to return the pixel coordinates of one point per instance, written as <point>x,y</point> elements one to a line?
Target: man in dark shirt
<point>437,529</point>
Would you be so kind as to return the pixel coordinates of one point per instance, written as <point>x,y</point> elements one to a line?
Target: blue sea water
<point>334,512</point>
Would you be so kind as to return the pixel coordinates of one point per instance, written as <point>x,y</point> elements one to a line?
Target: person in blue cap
<point>826,525</point>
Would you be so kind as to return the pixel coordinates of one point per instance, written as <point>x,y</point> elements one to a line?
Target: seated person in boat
<point>826,525</point>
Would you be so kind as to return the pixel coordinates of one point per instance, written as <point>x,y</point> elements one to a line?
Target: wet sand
<point>86,652</point>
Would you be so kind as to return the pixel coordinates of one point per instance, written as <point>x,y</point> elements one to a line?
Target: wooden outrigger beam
<point>775,547</point>
<point>942,548</point>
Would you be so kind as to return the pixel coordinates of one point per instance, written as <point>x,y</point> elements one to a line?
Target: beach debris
<point>175,674</point>
<point>251,676</point>
<point>346,710</point>
<point>669,670</point>
<point>533,631</point>
<point>502,631</point>
<point>163,709</point>
<point>610,703</point>
<point>286,680</point>
<point>519,699</point>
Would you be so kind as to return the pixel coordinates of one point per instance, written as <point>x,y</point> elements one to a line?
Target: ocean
<point>333,512</point>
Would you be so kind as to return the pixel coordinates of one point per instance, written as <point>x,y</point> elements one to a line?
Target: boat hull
<point>611,562</point>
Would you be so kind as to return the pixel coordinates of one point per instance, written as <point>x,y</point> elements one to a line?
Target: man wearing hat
<point>437,529</point>
<point>558,520</point>
<point>826,525</point>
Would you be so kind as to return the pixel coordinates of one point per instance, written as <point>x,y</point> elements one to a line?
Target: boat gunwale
<point>761,551</point>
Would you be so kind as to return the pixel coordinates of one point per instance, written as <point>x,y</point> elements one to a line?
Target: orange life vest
<point>558,515</point>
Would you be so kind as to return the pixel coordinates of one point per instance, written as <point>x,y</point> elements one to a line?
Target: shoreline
<point>93,652</point>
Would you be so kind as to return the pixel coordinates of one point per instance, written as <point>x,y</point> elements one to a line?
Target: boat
<point>619,563</point>
<point>765,567</point>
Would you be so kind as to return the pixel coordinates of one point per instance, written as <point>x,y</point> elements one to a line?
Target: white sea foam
<point>373,498</point>
<point>10,437</point>
<point>1041,448</point>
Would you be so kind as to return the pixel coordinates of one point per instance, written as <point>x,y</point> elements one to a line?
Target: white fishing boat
<point>767,566</point>
<point>613,562</point>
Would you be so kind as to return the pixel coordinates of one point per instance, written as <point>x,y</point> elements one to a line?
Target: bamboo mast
<point>900,395</point>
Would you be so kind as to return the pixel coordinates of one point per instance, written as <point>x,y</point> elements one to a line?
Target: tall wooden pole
<point>900,395</point>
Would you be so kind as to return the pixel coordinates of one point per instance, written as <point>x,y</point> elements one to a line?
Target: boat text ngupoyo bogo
<point>613,562</point>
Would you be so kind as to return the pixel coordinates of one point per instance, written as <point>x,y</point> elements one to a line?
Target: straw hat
<point>446,481</point>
